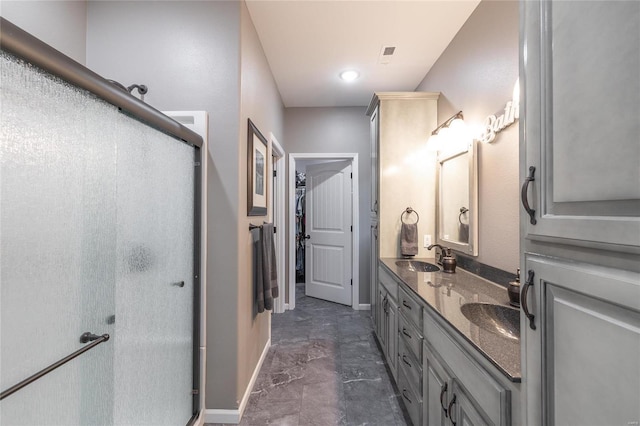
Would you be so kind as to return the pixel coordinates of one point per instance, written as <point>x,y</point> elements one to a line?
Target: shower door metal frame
<point>25,46</point>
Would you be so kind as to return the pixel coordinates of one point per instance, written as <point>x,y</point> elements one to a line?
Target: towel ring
<point>463,210</point>
<point>408,211</point>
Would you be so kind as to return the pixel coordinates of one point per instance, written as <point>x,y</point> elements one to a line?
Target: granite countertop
<point>446,293</point>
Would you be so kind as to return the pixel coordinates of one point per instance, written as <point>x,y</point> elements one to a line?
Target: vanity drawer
<point>412,402</point>
<point>387,281</point>
<point>410,335</point>
<point>412,368</point>
<point>410,307</point>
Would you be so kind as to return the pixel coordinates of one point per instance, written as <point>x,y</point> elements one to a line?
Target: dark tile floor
<point>323,368</point>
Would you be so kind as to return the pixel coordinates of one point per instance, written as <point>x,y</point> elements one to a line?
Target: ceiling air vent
<point>385,54</point>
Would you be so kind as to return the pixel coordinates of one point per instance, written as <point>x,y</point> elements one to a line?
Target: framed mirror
<point>457,199</point>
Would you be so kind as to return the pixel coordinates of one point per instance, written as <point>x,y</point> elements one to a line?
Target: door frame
<point>355,220</point>
<point>278,153</point>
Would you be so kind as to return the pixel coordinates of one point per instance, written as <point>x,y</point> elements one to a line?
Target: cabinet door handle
<point>524,198</point>
<point>405,304</point>
<point>375,206</point>
<point>404,395</point>
<point>443,392</point>
<point>523,299</point>
<point>404,359</point>
<point>404,331</point>
<point>451,404</point>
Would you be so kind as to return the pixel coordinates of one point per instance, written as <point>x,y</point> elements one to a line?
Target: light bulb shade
<point>433,143</point>
<point>460,132</point>
<point>444,136</point>
<point>458,125</point>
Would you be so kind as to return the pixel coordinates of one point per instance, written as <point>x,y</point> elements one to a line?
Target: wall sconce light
<point>452,131</point>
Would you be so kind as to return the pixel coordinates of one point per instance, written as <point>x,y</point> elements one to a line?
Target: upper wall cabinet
<point>581,180</point>
<point>403,171</point>
<point>580,322</point>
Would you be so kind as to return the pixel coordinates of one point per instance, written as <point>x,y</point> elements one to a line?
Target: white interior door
<point>329,230</point>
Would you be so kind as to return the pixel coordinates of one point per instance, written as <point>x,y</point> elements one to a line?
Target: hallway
<point>323,368</point>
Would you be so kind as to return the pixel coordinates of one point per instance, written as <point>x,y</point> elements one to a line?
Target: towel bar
<point>252,227</point>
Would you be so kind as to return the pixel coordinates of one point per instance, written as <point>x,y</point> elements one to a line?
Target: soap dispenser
<point>514,291</point>
<point>448,262</point>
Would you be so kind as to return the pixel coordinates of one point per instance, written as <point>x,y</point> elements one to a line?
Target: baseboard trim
<point>234,416</point>
<point>222,416</point>
<point>364,307</point>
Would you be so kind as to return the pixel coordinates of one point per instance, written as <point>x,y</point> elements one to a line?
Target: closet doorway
<point>323,227</point>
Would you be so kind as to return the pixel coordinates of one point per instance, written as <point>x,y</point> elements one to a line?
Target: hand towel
<point>463,232</point>
<point>409,239</point>
<point>268,264</point>
<point>258,276</point>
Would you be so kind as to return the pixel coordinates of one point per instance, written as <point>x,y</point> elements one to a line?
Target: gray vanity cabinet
<point>398,123</point>
<point>410,354</point>
<point>580,233</point>
<point>374,144</point>
<point>387,326</point>
<point>392,336</point>
<point>435,389</point>
<point>373,288</point>
<point>582,362</point>
<point>457,388</point>
<point>462,410</point>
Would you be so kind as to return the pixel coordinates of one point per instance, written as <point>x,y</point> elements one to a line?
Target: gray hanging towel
<point>258,274</point>
<point>409,239</point>
<point>269,269</point>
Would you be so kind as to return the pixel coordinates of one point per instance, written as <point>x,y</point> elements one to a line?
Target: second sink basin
<point>498,319</point>
<point>416,266</point>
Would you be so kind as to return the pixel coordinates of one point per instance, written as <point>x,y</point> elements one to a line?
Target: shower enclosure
<point>99,248</point>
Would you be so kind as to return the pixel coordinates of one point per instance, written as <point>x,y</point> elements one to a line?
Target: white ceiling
<point>309,42</point>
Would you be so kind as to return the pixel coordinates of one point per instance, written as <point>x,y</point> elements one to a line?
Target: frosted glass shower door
<point>57,248</point>
<point>154,283</point>
<point>96,235</point>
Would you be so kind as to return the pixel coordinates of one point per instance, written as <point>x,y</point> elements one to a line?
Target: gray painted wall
<point>328,130</point>
<point>260,101</point>
<point>476,74</point>
<point>60,24</point>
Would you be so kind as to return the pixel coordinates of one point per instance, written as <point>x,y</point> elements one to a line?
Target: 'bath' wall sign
<point>493,124</point>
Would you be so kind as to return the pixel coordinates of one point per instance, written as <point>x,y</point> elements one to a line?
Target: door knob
<point>307,237</point>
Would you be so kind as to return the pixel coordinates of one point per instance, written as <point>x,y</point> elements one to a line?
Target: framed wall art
<point>256,172</point>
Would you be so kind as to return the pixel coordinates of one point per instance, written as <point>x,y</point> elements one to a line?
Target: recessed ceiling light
<point>349,75</point>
